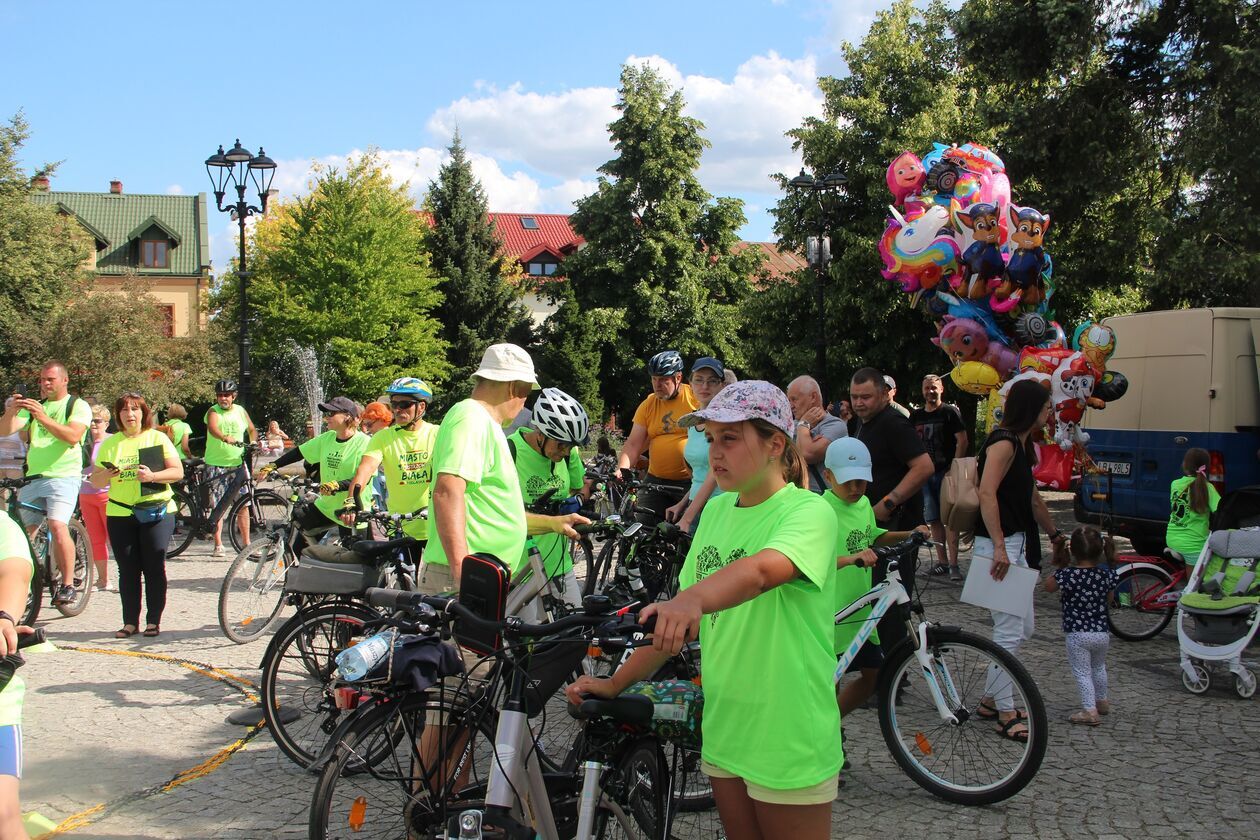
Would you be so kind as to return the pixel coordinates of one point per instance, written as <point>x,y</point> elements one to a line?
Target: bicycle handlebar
<point>14,483</point>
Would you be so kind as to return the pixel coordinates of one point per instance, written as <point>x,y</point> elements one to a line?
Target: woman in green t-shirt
<point>757,591</point>
<point>140,514</point>
<point>1191,500</point>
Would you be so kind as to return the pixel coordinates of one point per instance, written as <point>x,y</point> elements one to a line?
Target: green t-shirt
<point>13,544</point>
<point>1187,530</point>
<point>537,475</point>
<point>179,431</point>
<point>124,453</point>
<point>50,456</point>
<point>337,459</point>
<point>770,713</point>
<point>472,446</point>
<point>857,530</point>
<point>406,458</point>
<point>233,423</point>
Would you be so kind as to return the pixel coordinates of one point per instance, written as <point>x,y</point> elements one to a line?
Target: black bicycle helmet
<point>225,386</point>
<point>665,363</point>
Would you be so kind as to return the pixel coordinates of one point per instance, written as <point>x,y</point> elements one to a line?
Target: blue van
<point>1193,381</point>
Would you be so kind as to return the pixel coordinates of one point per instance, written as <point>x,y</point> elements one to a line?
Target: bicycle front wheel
<point>252,594</point>
<point>266,509</point>
<point>600,572</point>
<point>185,526</point>
<point>84,569</point>
<point>633,805</point>
<point>967,762</point>
<point>386,776</point>
<point>1139,606</point>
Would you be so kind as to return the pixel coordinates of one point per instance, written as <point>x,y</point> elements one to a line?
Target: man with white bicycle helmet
<point>404,450</point>
<point>656,430</point>
<point>548,459</point>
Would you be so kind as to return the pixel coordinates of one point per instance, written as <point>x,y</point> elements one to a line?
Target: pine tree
<point>481,305</point>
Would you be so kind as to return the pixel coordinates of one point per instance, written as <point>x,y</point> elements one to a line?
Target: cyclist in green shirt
<point>757,591</point>
<point>226,427</point>
<point>548,460</point>
<point>180,431</point>
<point>54,461</point>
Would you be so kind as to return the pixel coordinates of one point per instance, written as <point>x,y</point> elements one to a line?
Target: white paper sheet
<point>1013,594</point>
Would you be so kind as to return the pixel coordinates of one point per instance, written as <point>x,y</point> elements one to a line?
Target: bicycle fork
<point>937,677</point>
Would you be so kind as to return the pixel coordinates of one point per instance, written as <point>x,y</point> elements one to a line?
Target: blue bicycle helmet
<point>411,387</point>
<point>665,363</point>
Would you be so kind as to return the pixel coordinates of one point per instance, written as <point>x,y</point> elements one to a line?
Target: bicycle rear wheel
<point>633,805</point>
<point>1137,609</point>
<point>265,510</point>
<point>185,526</point>
<point>84,569</point>
<point>296,673</point>
<point>385,779</point>
<point>252,595</point>
<point>968,762</point>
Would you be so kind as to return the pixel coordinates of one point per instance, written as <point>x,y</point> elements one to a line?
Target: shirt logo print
<point>857,540</point>
<point>536,485</point>
<point>667,423</point>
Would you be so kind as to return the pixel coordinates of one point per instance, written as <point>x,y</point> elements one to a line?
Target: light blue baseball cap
<point>848,458</point>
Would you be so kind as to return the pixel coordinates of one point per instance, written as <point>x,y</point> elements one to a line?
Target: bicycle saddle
<point>632,709</point>
<point>194,463</point>
<point>376,549</point>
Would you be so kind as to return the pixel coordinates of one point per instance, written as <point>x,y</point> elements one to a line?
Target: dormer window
<point>153,253</point>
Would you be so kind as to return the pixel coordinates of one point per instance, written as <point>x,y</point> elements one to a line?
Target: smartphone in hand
<point>107,465</point>
<point>20,390</point>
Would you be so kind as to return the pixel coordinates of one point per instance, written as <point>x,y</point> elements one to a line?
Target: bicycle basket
<point>551,664</point>
<point>312,577</point>
<point>677,710</point>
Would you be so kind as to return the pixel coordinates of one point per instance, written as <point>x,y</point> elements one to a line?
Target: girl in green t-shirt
<point>1192,499</point>
<point>757,591</point>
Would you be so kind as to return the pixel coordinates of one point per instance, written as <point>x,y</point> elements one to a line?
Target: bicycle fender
<point>1145,566</point>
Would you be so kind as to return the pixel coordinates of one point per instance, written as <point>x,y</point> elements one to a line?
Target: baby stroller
<point>1219,612</point>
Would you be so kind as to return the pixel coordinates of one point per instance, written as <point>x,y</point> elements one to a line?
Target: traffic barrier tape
<point>90,815</point>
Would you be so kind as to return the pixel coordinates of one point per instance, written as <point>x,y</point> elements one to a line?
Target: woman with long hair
<point>1010,511</point>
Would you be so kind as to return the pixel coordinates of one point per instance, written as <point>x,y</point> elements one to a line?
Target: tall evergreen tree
<point>659,253</point>
<point>481,304</point>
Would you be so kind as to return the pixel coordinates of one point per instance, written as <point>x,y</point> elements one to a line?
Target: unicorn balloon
<point>920,250</point>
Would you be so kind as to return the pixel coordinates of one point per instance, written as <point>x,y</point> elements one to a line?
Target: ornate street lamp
<point>818,255</point>
<point>236,168</point>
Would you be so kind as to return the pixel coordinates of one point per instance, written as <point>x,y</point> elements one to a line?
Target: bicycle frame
<point>882,596</point>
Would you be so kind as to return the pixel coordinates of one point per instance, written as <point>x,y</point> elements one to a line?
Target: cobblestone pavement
<point>108,729</point>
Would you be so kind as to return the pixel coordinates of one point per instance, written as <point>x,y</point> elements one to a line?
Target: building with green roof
<point>163,239</point>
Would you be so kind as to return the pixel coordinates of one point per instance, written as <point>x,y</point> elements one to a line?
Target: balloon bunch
<point>958,245</point>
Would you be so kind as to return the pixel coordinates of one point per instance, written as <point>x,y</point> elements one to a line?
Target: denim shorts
<point>932,497</point>
<point>11,750</point>
<point>57,496</point>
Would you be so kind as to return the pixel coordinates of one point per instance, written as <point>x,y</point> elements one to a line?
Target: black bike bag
<point>483,588</point>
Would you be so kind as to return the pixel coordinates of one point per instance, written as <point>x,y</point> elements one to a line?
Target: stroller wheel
<point>1201,682</point>
<point>1245,683</point>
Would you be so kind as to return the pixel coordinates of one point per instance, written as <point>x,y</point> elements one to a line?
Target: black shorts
<point>868,656</point>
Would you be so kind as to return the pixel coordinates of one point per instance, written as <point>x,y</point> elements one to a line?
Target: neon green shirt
<point>1187,530</point>
<point>13,544</point>
<point>472,446</point>
<point>49,456</point>
<point>537,475</point>
<point>337,459</point>
<point>770,713</point>
<point>856,530</point>
<point>233,423</point>
<point>124,453</point>
<point>406,458</point>
<point>179,431</point>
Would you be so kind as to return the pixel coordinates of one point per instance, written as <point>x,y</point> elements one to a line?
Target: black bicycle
<point>47,575</point>
<point>196,514</point>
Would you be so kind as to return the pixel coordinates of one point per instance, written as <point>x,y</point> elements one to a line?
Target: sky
<point>143,92</point>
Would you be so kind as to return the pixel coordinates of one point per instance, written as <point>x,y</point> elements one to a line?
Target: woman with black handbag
<point>138,463</point>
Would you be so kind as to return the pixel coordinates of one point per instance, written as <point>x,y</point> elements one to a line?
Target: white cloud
<point>175,189</point>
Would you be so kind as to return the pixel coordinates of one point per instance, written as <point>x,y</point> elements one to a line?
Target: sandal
<point>152,630</point>
<point>1084,718</point>
<point>1007,730</point>
<point>992,712</point>
<point>127,631</point>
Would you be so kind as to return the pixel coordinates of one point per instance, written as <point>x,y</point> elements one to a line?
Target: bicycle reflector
<point>358,814</point>
<point>924,745</point>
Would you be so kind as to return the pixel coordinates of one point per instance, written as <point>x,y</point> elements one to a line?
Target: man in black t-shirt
<point>899,467</point>
<point>941,429</point>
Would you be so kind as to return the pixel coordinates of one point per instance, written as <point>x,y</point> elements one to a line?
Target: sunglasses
<point>402,405</point>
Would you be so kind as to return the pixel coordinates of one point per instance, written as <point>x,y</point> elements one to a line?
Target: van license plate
<point>1114,467</point>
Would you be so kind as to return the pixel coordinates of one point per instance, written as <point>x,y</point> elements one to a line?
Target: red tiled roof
<point>779,263</point>
<point>553,234</point>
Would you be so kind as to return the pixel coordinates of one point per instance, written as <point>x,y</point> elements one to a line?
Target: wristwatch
<point>889,503</point>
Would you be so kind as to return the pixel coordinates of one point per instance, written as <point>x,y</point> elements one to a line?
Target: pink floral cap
<point>751,399</point>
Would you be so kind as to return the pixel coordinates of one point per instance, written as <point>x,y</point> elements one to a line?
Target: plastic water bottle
<point>354,663</point>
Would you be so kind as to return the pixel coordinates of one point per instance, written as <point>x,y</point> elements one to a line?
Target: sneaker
<point>65,595</point>
<point>218,551</point>
<point>954,573</point>
<point>939,569</point>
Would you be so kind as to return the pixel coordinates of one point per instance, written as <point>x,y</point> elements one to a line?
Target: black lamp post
<point>232,169</point>
<point>818,255</point>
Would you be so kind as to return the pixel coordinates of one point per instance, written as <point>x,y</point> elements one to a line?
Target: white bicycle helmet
<point>560,417</point>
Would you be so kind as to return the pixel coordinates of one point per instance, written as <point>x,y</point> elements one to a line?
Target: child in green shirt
<point>847,470</point>
<point>1191,501</point>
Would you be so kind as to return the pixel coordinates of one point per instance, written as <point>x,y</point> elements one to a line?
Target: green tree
<point>568,354</point>
<point>342,270</point>
<point>660,252</point>
<point>481,305</point>
<point>42,257</point>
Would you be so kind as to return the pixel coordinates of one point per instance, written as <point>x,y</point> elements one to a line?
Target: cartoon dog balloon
<point>1071,387</point>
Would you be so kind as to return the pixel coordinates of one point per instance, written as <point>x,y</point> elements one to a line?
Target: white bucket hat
<point>507,363</point>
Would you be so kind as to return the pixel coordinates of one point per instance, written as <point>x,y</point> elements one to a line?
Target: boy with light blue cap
<point>847,470</point>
